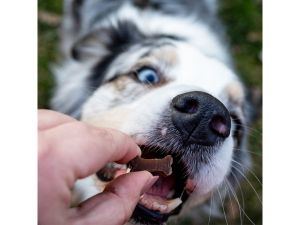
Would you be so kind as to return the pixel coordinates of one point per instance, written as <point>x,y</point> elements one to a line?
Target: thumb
<point>116,204</point>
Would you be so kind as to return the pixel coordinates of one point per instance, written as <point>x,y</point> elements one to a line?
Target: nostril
<point>188,105</point>
<point>219,126</point>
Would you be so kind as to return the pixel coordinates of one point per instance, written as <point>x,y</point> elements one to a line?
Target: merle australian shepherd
<point>159,71</point>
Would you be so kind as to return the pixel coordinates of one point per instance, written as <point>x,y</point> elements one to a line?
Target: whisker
<point>251,129</point>
<point>248,170</point>
<point>248,182</point>
<point>241,190</point>
<point>222,203</point>
<point>230,199</point>
<point>235,196</point>
<point>254,153</point>
<point>210,208</point>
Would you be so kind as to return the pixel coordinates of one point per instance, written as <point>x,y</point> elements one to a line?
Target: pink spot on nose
<point>219,126</point>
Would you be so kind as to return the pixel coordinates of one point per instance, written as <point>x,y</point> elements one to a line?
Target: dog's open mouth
<point>166,196</point>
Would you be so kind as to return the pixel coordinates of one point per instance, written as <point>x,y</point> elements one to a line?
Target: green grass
<point>47,54</point>
<point>54,6</point>
<point>243,21</point>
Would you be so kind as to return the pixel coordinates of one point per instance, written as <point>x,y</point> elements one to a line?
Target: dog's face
<point>170,95</point>
<point>172,99</point>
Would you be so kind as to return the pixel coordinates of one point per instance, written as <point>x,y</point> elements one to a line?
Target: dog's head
<point>170,95</point>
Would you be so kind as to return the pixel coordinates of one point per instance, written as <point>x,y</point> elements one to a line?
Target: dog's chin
<point>167,196</point>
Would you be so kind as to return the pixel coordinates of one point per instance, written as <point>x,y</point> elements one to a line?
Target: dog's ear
<point>71,24</point>
<point>104,41</point>
<point>80,18</point>
<point>92,46</point>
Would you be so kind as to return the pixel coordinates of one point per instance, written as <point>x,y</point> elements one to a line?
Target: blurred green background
<point>243,21</point>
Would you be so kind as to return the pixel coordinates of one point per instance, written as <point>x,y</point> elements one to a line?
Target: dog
<point>159,71</point>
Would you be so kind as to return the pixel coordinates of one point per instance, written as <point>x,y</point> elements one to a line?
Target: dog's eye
<point>147,75</point>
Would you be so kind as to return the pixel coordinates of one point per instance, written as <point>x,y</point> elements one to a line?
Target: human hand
<point>71,150</point>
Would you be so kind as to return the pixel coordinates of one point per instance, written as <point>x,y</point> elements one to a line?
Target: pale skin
<point>69,150</point>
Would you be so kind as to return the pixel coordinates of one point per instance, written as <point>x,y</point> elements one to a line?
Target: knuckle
<point>81,127</point>
<point>107,135</point>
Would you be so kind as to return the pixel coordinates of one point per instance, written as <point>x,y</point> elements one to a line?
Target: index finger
<point>82,149</point>
<point>48,119</point>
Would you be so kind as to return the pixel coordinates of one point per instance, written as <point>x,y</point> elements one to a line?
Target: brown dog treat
<point>163,166</point>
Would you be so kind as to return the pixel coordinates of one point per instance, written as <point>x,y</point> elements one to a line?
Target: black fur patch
<point>122,37</point>
<point>76,11</point>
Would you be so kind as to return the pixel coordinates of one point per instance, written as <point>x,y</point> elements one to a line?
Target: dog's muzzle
<point>202,122</point>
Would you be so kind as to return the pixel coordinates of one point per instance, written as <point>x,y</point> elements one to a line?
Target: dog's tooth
<point>143,201</point>
<point>172,204</point>
<point>159,207</point>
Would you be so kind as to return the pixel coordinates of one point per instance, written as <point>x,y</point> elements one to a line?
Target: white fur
<point>71,85</point>
<point>84,189</point>
<point>152,22</point>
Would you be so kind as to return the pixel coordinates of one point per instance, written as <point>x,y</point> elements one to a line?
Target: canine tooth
<point>172,204</point>
<point>159,207</point>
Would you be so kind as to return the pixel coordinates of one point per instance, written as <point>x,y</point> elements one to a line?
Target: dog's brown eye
<point>147,75</point>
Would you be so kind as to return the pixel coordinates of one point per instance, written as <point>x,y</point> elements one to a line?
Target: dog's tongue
<point>163,187</point>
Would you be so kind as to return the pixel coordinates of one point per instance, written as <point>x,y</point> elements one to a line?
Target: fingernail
<point>149,184</point>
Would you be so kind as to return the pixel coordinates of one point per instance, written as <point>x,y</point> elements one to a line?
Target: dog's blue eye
<point>147,75</point>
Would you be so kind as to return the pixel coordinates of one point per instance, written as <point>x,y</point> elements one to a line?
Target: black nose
<point>200,118</point>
